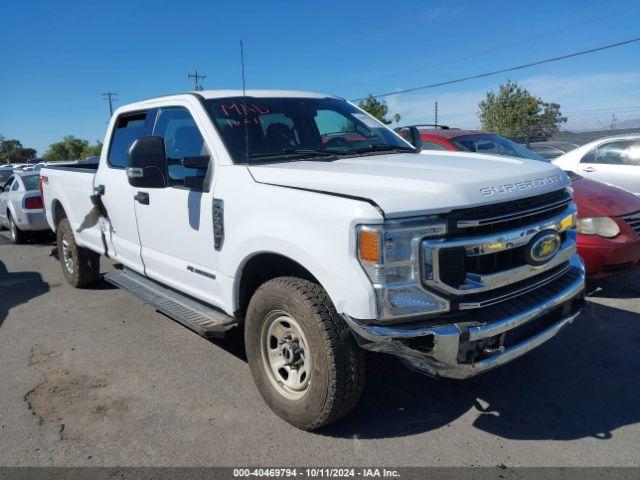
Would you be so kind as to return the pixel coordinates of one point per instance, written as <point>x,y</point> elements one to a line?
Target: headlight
<point>389,255</point>
<point>602,226</point>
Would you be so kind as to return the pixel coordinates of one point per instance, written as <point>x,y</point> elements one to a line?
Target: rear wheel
<point>80,266</point>
<point>17,235</point>
<point>303,358</point>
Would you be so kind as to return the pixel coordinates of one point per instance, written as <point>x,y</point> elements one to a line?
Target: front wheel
<point>303,358</point>
<point>80,266</point>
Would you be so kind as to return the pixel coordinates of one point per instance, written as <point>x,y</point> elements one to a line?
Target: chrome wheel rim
<point>285,354</point>
<point>66,255</point>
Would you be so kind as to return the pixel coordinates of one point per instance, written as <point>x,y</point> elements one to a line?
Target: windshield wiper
<point>294,151</point>
<point>383,148</point>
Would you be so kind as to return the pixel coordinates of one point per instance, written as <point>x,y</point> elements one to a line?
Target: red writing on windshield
<point>240,109</point>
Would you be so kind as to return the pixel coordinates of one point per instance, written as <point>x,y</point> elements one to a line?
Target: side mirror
<point>411,135</point>
<point>147,165</point>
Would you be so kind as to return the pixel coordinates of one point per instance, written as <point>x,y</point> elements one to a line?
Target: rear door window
<point>129,127</point>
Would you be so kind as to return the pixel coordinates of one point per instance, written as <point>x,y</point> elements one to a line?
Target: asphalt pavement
<point>95,377</point>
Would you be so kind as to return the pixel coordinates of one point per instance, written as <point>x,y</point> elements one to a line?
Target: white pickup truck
<point>319,231</point>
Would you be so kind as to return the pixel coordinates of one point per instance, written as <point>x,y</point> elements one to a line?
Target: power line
<point>504,70</point>
<point>112,97</point>
<point>196,80</point>
<point>496,48</point>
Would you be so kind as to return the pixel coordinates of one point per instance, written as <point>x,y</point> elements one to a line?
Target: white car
<point>21,209</point>
<point>612,160</point>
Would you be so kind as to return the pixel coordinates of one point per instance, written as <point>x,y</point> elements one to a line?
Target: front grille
<point>453,268</point>
<point>633,220</point>
<point>507,215</point>
<point>496,262</point>
<point>486,269</point>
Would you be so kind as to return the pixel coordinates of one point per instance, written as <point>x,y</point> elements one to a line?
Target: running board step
<point>200,318</point>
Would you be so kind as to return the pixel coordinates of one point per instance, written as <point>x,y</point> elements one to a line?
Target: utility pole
<point>614,120</point>
<point>435,121</point>
<point>111,97</point>
<point>196,80</point>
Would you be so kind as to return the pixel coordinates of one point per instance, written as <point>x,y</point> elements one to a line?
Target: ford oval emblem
<point>543,247</point>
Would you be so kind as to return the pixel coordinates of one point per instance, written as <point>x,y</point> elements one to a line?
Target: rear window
<point>31,182</point>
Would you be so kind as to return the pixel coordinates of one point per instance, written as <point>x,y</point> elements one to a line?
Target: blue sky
<point>59,56</point>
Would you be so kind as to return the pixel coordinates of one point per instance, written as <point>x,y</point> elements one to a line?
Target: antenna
<point>244,105</point>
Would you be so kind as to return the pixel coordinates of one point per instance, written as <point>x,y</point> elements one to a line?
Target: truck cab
<point>321,233</point>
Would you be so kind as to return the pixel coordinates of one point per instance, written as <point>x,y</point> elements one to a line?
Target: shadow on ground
<point>583,383</point>
<point>17,288</point>
<point>620,286</point>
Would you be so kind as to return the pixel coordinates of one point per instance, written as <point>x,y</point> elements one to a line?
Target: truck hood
<point>417,184</point>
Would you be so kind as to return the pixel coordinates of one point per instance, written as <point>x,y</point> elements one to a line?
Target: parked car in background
<point>21,208</point>
<point>608,217</point>
<point>608,227</point>
<point>5,173</point>
<point>551,149</point>
<point>612,160</point>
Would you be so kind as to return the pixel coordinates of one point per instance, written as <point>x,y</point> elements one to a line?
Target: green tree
<point>378,109</point>
<point>12,151</point>
<point>72,148</point>
<point>515,113</point>
<point>92,150</point>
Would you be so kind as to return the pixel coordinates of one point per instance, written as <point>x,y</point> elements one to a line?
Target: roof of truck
<point>261,93</point>
<point>207,94</point>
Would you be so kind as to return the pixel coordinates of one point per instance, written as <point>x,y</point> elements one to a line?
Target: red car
<point>608,217</point>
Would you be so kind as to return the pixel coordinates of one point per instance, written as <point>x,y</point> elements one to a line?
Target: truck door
<point>122,238</point>
<point>175,224</point>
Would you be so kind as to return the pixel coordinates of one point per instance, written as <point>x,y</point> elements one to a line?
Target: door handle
<point>588,169</point>
<point>142,197</point>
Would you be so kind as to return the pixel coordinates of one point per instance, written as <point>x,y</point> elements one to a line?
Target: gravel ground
<point>95,377</point>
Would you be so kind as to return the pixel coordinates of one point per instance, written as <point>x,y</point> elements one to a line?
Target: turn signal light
<point>369,246</point>
<point>33,203</point>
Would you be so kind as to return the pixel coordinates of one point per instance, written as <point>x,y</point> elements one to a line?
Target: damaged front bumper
<point>473,343</point>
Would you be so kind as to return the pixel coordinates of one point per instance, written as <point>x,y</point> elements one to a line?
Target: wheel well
<point>58,212</point>
<point>264,267</point>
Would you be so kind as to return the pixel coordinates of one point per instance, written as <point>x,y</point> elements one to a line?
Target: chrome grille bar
<point>511,216</point>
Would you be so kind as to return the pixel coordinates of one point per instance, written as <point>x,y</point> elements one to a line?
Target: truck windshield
<point>288,129</point>
<point>494,145</point>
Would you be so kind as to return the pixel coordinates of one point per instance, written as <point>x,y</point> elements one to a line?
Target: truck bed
<point>72,186</point>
